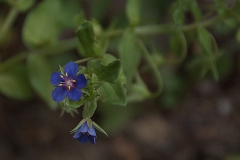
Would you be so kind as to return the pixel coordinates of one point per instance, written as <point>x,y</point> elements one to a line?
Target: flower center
<point>67,82</point>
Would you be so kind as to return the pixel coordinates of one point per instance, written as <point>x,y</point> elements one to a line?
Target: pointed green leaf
<point>22,5</point>
<point>89,109</point>
<point>89,123</point>
<point>39,71</point>
<point>130,55</point>
<point>178,16</point>
<point>133,11</point>
<point>113,93</point>
<point>195,9</point>
<point>69,9</point>
<point>79,18</point>
<point>79,125</point>
<point>108,58</point>
<point>87,39</point>
<point>209,44</point>
<point>214,70</point>
<point>43,23</point>
<point>139,91</point>
<point>61,70</point>
<point>175,45</point>
<point>99,128</point>
<point>107,73</point>
<point>41,26</point>
<point>14,83</point>
<point>205,39</point>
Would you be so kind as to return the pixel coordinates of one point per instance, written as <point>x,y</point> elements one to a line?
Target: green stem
<point>183,52</point>
<point>8,23</point>
<point>83,60</point>
<point>201,24</point>
<point>155,70</point>
<point>71,43</point>
<point>53,50</point>
<point>162,28</point>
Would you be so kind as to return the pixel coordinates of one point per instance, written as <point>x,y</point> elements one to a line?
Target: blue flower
<point>68,84</point>
<point>84,133</point>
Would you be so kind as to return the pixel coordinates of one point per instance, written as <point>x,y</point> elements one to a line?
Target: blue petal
<point>77,134</point>
<point>92,131</point>
<point>74,94</point>
<point>59,93</point>
<point>92,139</point>
<point>84,127</point>
<point>71,69</point>
<point>55,78</point>
<point>81,81</point>
<point>83,138</point>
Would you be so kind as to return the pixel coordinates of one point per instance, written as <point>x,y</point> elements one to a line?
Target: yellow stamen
<point>60,85</point>
<point>61,76</point>
<point>73,80</point>
<point>69,87</point>
<point>66,75</point>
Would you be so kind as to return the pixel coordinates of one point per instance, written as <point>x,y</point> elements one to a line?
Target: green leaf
<point>74,104</point>
<point>114,93</point>
<point>41,26</point>
<point>99,128</point>
<point>43,23</point>
<point>89,123</point>
<point>92,92</point>
<point>22,5</point>
<point>205,39</point>
<point>179,45</point>
<point>114,118</point>
<point>133,11</point>
<point>108,58</point>
<point>86,37</point>
<point>210,46</point>
<point>79,125</point>
<point>79,18</point>
<point>195,9</point>
<point>107,73</point>
<point>130,55</point>
<point>14,83</point>
<point>98,9</point>
<point>39,71</point>
<point>139,91</point>
<point>89,109</point>
<point>175,43</point>
<point>178,16</point>
<point>69,9</point>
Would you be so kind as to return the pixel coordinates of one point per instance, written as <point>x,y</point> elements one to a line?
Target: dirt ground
<point>205,127</point>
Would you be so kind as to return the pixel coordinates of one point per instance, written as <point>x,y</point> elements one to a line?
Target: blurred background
<point>196,117</point>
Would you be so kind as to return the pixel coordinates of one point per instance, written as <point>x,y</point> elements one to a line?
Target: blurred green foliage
<point>164,47</point>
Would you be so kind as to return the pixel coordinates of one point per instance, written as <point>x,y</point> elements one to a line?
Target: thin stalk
<point>83,60</point>
<point>53,50</point>
<point>12,15</point>
<point>154,68</point>
<point>161,28</point>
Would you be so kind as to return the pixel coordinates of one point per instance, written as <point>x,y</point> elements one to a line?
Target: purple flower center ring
<point>67,82</point>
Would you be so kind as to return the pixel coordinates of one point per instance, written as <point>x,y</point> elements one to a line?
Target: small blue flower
<point>84,133</point>
<point>68,84</point>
